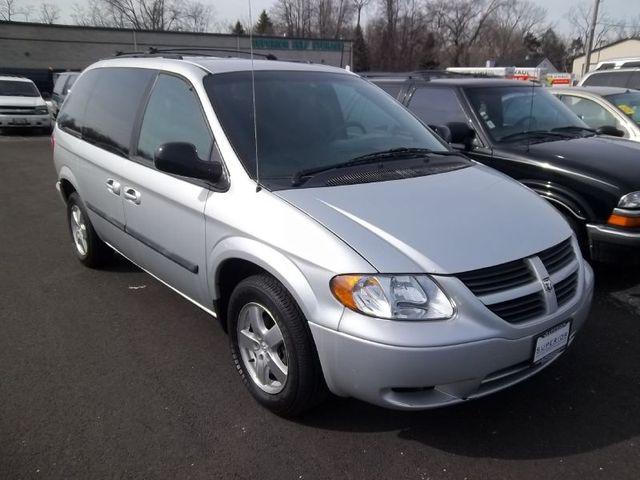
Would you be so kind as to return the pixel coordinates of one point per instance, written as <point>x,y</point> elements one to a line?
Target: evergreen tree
<point>360,52</point>
<point>264,26</point>
<point>238,29</point>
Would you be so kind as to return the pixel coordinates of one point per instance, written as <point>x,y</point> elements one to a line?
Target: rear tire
<point>88,247</point>
<point>272,347</point>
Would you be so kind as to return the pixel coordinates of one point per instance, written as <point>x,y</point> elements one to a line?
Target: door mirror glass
<point>181,158</point>
<point>610,130</point>
<point>461,134</point>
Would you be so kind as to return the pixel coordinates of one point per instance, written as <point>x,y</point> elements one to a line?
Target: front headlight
<point>630,200</point>
<point>393,297</point>
<point>42,110</point>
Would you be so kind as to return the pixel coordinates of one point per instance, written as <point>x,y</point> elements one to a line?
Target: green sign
<point>297,44</point>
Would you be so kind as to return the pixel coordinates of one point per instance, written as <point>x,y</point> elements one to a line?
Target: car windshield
<point>628,103</point>
<point>521,112</point>
<point>12,88</point>
<point>308,121</point>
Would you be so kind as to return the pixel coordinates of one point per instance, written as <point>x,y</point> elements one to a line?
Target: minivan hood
<point>11,101</point>
<point>442,224</point>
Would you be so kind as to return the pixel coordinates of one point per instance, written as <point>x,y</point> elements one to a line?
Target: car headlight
<point>42,110</point>
<point>393,297</point>
<point>630,200</point>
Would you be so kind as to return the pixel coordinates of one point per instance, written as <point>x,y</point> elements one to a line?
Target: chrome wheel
<point>79,230</point>
<point>262,348</point>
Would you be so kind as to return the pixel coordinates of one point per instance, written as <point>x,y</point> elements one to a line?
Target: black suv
<point>520,129</point>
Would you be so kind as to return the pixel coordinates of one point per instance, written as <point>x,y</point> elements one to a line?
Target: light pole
<point>592,29</point>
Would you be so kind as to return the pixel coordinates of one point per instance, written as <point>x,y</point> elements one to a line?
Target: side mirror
<point>442,131</point>
<point>46,96</point>
<point>610,130</point>
<point>181,158</point>
<point>461,133</point>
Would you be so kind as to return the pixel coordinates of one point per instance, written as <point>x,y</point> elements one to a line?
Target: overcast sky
<point>228,11</point>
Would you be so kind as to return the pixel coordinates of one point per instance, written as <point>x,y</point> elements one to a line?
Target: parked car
<point>349,249</point>
<point>524,131</point>
<point>64,82</point>
<point>618,63</point>
<point>604,106</point>
<point>21,104</point>
<point>622,78</point>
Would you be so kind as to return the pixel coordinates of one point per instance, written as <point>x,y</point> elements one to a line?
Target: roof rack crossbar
<point>179,52</point>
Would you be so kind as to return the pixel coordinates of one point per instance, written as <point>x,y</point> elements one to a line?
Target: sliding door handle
<point>132,195</point>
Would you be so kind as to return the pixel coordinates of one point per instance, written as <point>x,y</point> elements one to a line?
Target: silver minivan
<point>342,245</point>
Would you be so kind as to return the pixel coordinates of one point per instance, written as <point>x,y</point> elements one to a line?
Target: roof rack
<point>179,53</point>
<point>425,75</point>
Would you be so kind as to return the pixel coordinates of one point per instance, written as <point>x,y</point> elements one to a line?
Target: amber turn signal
<point>623,221</point>
<point>342,289</point>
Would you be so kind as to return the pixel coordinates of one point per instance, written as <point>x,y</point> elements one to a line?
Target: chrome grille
<point>514,291</point>
<point>566,289</point>
<point>557,257</point>
<point>496,279</point>
<point>520,309</point>
<point>17,110</point>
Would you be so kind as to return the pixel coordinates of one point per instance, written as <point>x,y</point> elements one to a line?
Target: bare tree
<point>49,13</point>
<point>329,17</point>
<point>14,10</point>
<point>461,23</point>
<point>294,17</point>
<point>145,14</point>
<point>359,5</point>
<point>580,19</point>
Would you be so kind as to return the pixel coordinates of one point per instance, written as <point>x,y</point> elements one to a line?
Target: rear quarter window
<point>71,117</point>
<point>608,79</point>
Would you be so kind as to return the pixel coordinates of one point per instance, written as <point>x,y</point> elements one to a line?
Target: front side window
<point>173,114</point>
<point>12,88</point>
<point>628,103</point>
<point>113,105</point>
<point>590,112</point>
<point>310,120</point>
<point>511,112</point>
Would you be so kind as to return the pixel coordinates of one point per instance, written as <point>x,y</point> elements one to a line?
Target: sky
<point>228,11</point>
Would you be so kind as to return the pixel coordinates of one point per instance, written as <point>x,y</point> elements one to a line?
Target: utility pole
<point>592,29</point>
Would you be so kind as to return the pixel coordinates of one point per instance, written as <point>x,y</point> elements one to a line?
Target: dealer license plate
<point>551,341</point>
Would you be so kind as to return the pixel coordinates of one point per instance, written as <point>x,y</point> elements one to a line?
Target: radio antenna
<point>253,94</point>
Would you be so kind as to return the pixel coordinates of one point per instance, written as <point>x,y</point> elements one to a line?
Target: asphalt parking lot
<point>109,374</point>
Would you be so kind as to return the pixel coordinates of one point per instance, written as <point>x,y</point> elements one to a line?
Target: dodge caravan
<point>343,246</point>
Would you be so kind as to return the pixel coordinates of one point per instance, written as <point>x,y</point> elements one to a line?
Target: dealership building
<point>38,51</point>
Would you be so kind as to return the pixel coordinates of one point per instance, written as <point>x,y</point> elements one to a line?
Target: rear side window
<point>634,82</point>
<point>608,79</point>
<point>173,114</point>
<point>71,116</point>
<point>114,102</point>
<point>437,106</point>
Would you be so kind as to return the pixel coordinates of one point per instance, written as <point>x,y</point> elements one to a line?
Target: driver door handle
<point>113,186</point>
<point>132,195</point>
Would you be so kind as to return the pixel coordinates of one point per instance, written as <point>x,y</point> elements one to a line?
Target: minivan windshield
<point>310,121</point>
<point>628,103</point>
<point>12,88</point>
<point>519,113</point>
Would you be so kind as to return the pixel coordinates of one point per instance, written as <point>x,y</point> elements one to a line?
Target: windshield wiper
<point>534,133</point>
<point>573,128</point>
<point>392,154</point>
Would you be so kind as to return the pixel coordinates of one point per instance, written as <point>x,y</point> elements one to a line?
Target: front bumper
<point>25,121</point>
<point>607,243</point>
<point>412,378</point>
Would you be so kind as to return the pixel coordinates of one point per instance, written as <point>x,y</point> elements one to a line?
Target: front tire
<point>272,348</point>
<point>89,249</point>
